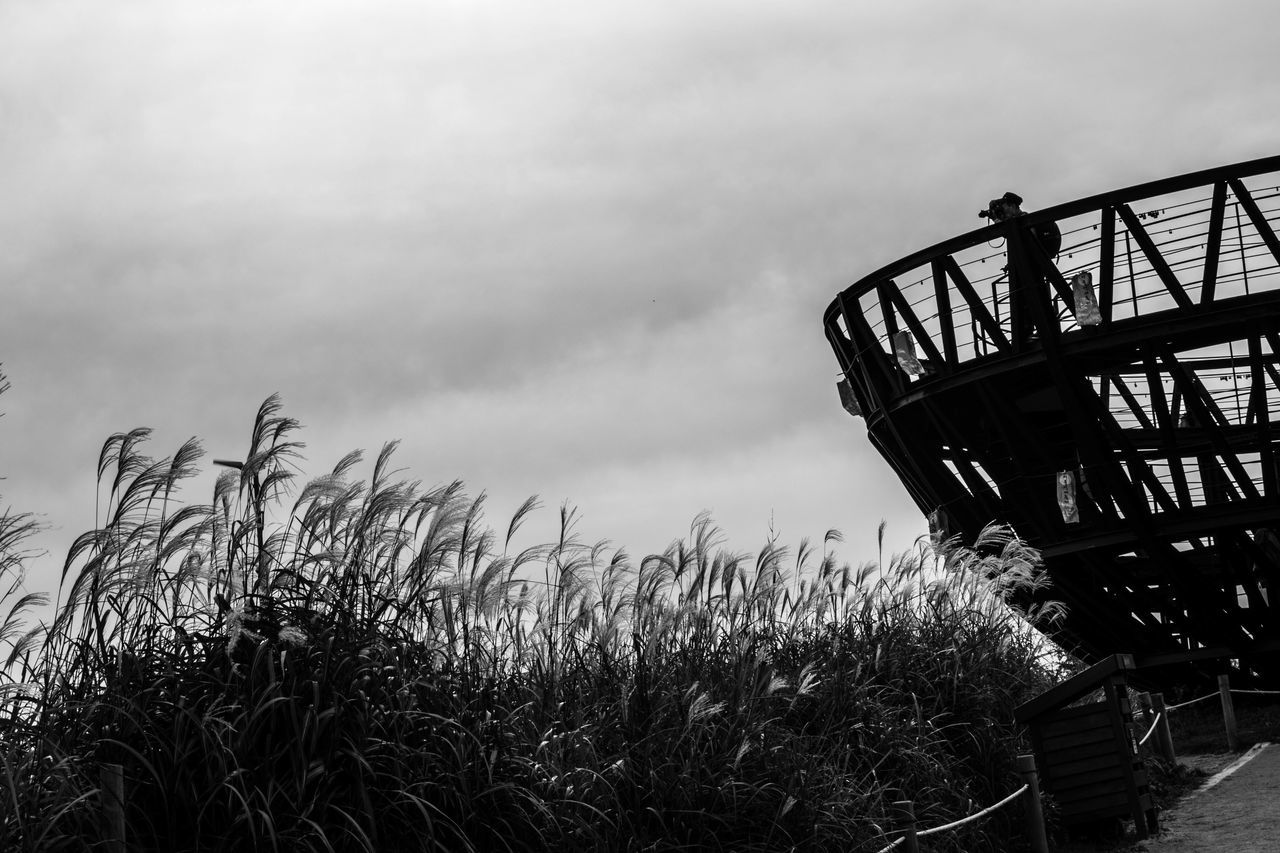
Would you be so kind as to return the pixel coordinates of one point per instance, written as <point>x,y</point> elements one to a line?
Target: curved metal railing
<point>1189,243</point>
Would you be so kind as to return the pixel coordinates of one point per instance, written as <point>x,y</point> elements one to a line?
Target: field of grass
<point>368,666</point>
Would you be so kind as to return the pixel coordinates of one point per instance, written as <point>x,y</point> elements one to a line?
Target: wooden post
<point>112,782</point>
<point>1163,733</point>
<point>1035,815</point>
<point>907,815</point>
<point>1121,716</point>
<point>1228,712</point>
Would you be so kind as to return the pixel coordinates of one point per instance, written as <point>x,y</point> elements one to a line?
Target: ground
<point>1236,814</point>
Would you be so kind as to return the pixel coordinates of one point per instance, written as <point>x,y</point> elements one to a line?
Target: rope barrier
<point>1151,730</point>
<point>988,810</point>
<point>1212,695</point>
<point>1191,702</point>
<point>955,824</point>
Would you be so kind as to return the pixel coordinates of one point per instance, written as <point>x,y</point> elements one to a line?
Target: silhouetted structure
<point>1113,394</point>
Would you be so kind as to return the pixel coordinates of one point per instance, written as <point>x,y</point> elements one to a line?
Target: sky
<point>573,249</point>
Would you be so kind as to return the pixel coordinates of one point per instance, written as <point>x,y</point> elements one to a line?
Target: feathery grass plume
<point>362,667</point>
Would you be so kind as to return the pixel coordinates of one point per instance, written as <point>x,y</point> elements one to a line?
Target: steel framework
<point>1114,396</point>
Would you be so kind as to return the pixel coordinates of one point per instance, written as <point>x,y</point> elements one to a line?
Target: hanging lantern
<point>905,347</point>
<point>1067,497</point>
<point>847,399</point>
<point>1087,313</point>
<point>939,527</point>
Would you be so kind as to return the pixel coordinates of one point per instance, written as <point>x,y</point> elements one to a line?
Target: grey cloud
<point>568,244</point>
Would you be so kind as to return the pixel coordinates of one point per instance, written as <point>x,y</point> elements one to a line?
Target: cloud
<point>571,248</point>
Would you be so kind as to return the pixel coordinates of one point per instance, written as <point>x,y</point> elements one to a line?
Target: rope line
<point>1211,695</point>
<point>955,824</point>
<point>1207,696</point>
<point>1151,730</point>
<point>988,810</point>
<point>1190,702</point>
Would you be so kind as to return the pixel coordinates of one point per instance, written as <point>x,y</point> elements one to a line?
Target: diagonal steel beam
<point>1157,261</point>
<point>1211,419</point>
<point>1256,217</point>
<point>1165,419</point>
<point>917,328</point>
<point>977,307</point>
<point>1213,242</point>
<point>882,379</point>
<point>1126,394</point>
<point>942,294</point>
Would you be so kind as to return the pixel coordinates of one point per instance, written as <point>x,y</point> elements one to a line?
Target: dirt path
<point>1236,815</point>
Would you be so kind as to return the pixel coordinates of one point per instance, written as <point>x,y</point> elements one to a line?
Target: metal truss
<point>1115,397</point>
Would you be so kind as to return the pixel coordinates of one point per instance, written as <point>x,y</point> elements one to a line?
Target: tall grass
<point>367,665</point>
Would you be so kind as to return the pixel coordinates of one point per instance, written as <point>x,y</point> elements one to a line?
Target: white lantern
<point>847,399</point>
<point>1067,497</point>
<point>939,527</point>
<point>1087,313</point>
<point>904,346</point>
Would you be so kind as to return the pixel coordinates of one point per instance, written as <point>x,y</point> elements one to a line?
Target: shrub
<point>368,666</point>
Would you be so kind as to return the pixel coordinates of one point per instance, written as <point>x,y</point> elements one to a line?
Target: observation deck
<point>1114,395</point>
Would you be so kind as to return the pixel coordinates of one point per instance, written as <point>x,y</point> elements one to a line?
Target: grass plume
<point>366,665</point>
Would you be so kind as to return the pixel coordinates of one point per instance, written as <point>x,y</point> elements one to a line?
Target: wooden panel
<point>1099,773</point>
<point>1078,739</point>
<point>1110,802</point>
<point>1078,753</point>
<point>1106,802</point>
<point>1082,784</point>
<point>1075,711</point>
<point>1065,769</point>
<point>1096,717</point>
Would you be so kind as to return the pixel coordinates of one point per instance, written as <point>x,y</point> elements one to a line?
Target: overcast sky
<point>573,249</point>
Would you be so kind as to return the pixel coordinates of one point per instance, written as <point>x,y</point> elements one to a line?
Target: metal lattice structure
<point>1114,396</point>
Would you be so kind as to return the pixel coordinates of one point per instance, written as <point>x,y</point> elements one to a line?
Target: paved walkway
<point>1238,814</point>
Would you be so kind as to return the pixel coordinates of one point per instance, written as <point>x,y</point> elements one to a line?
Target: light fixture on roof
<point>847,399</point>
